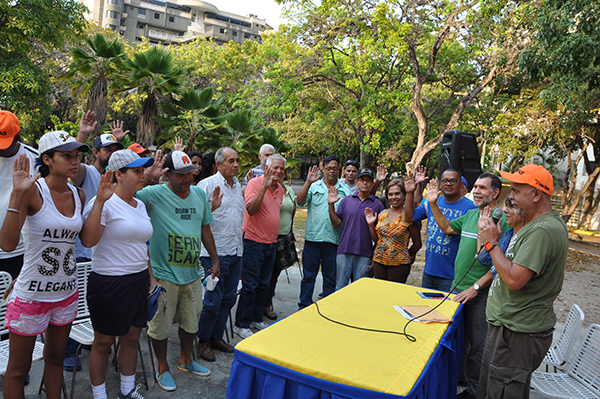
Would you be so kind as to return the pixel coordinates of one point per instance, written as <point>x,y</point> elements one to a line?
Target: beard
<point>103,163</point>
<point>486,201</point>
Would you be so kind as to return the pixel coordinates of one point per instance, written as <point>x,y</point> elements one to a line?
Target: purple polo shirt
<point>356,238</point>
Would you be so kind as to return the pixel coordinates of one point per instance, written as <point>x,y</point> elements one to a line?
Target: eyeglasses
<point>449,181</point>
<point>331,169</point>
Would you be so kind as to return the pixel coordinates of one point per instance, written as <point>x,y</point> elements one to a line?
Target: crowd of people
<point>204,224</point>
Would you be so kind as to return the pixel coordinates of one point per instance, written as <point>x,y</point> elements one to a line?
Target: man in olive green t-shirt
<point>470,277</point>
<point>530,276</point>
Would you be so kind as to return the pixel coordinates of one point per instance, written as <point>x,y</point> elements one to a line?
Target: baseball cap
<point>365,172</point>
<point>533,175</point>
<point>106,139</point>
<point>138,149</point>
<point>465,182</point>
<point>179,162</point>
<point>9,128</point>
<point>127,159</point>
<point>60,141</point>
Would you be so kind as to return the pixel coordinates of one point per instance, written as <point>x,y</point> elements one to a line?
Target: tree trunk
<point>147,128</point>
<point>98,103</point>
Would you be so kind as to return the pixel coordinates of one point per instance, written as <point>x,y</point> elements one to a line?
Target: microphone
<point>497,215</point>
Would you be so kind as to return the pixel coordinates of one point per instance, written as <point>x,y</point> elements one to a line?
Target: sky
<point>267,9</point>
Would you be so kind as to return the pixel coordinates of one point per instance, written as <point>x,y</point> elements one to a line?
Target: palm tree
<point>153,75</point>
<point>91,70</point>
<point>195,115</point>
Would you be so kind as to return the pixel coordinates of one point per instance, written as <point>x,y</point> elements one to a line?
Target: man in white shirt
<point>266,150</point>
<point>10,149</point>
<point>227,205</point>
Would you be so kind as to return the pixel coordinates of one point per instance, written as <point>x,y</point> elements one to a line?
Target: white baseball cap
<point>60,141</point>
<point>179,162</point>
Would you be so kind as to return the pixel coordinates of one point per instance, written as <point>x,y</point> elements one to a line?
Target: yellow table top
<point>307,343</point>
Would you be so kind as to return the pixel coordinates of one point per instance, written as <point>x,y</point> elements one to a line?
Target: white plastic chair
<point>559,353</point>
<point>38,350</point>
<point>582,379</point>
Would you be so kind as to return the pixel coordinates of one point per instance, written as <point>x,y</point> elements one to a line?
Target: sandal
<point>69,364</point>
<point>270,314</point>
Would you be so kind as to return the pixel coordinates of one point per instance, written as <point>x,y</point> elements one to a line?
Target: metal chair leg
<point>144,377</point>
<point>79,347</point>
<point>152,359</point>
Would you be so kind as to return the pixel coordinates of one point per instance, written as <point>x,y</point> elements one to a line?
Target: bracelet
<point>13,210</point>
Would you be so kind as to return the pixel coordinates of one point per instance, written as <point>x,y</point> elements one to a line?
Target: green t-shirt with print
<point>176,242</point>
<point>466,226</point>
<point>541,246</point>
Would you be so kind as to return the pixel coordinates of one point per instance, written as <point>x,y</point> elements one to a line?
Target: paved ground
<point>214,386</point>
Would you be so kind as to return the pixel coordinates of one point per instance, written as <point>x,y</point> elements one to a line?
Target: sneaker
<point>69,364</point>
<point>243,332</point>
<point>259,326</point>
<point>166,381</point>
<point>134,394</point>
<point>194,368</point>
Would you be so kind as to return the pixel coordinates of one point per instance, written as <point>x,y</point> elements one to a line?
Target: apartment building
<point>176,21</point>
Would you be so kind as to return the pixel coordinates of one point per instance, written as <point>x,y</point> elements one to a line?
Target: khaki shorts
<point>184,305</point>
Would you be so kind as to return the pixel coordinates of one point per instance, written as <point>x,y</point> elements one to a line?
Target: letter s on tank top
<point>49,271</point>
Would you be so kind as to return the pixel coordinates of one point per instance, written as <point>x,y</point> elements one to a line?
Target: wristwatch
<point>476,287</point>
<point>490,245</point>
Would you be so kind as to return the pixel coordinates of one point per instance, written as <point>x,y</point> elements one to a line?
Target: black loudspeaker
<point>460,152</point>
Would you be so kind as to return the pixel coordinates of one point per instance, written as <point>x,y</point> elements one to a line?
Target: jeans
<point>317,254</point>
<point>218,302</point>
<point>257,266</point>
<point>474,342</point>
<point>348,264</point>
<point>436,283</point>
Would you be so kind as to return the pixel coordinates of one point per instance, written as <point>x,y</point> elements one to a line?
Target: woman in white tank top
<point>44,298</point>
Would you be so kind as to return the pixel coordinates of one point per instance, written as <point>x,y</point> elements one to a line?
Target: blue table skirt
<point>254,378</point>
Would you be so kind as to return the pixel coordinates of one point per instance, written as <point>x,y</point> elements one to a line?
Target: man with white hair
<point>263,197</point>
<point>266,150</point>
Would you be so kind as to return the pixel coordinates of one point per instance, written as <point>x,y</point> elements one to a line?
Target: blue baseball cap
<point>127,159</point>
<point>462,178</point>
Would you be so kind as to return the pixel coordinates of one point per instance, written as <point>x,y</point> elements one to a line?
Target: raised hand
<point>250,175</point>
<point>116,128</point>
<point>321,166</point>
<point>178,144</point>
<point>433,191</point>
<point>21,180</point>
<point>217,198</point>
<point>313,174</point>
<point>156,170</point>
<point>488,231</point>
<point>87,124</point>
<point>381,173</point>
<point>332,198</point>
<point>106,188</point>
<point>421,174</point>
<point>409,182</point>
<point>370,216</point>
<point>268,177</point>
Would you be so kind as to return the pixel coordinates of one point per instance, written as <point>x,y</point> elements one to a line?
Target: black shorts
<point>118,302</point>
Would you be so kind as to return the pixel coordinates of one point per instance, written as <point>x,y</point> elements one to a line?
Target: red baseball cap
<point>533,175</point>
<point>138,149</point>
<point>9,128</point>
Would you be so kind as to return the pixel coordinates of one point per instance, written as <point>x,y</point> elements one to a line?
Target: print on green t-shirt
<point>184,251</point>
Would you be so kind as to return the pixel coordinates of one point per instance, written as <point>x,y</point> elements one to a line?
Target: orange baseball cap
<point>138,149</point>
<point>9,128</point>
<point>533,175</point>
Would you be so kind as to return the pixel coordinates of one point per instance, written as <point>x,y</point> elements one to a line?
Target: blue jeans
<point>218,302</point>
<point>317,254</point>
<point>257,266</point>
<point>436,283</point>
<point>348,264</point>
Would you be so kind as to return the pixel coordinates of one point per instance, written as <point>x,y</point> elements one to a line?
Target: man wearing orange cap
<point>10,149</point>
<point>139,149</point>
<point>520,309</point>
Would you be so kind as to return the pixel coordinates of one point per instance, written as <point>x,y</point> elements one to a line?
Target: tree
<point>29,30</point>
<point>91,70</point>
<point>564,57</point>
<point>381,62</point>
<point>152,74</point>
